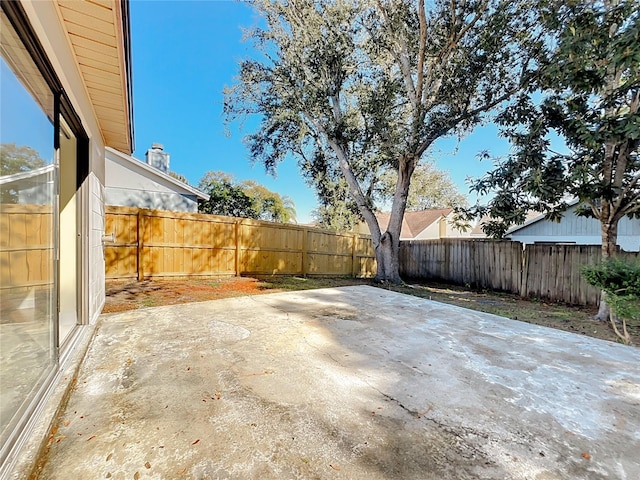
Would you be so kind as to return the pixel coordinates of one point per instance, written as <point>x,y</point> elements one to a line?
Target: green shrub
<point>620,281</point>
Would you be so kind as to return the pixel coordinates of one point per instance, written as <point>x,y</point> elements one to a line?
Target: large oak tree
<point>361,87</point>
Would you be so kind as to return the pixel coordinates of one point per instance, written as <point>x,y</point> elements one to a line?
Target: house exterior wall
<point>129,186</point>
<point>579,230</point>
<point>432,232</point>
<point>452,232</point>
<point>96,294</point>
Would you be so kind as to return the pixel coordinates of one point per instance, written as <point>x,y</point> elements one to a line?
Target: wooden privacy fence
<point>153,243</point>
<point>544,271</point>
<point>26,246</point>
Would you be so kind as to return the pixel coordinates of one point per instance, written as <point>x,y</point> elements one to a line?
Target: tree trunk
<point>388,248</point>
<point>387,257</point>
<point>609,247</point>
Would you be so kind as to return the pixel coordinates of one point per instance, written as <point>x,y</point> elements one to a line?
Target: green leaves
<point>247,199</point>
<point>587,90</point>
<point>18,159</point>
<point>620,281</point>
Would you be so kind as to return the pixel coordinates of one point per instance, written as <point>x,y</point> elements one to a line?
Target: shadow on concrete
<point>352,382</point>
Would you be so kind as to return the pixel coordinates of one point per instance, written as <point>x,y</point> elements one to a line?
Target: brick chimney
<point>157,157</point>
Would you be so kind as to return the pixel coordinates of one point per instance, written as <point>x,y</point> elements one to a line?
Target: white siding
<point>579,230</point>
<point>96,249</point>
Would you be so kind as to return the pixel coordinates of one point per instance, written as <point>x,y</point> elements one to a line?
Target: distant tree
<point>179,177</point>
<point>589,80</point>
<point>18,159</point>
<point>430,188</point>
<point>336,210</point>
<point>225,197</point>
<point>362,87</point>
<point>247,199</point>
<point>272,206</point>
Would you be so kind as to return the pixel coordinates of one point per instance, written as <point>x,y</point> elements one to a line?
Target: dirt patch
<point>122,296</point>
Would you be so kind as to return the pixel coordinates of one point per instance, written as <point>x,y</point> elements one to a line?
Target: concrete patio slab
<point>346,383</point>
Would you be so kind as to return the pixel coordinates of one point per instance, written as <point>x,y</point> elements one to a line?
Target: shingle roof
<point>414,223</point>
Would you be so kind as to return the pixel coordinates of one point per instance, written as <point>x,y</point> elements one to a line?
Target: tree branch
<point>421,50</point>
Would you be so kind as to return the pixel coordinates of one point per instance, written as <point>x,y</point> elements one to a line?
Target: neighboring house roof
<point>414,223</point>
<point>159,174</point>
<point>530,218</point>
<point>99,34</point>
<point>30,174</point>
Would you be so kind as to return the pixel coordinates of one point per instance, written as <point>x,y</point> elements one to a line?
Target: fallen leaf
<point>109,457</point>
<point>586,456</point>
<point>136,476</point>
<point>335,467</point>
<point>108,475</point>
<point>180,472</point>
<point>66,423</point>
<point>147,465</point>
<point>195,442</point>
<point>91,437</point>
<point>422,414</point>
<point>54,430</point>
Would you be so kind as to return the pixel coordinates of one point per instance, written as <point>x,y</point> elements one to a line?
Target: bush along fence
<point>156,244</point>
<point>544,271</point>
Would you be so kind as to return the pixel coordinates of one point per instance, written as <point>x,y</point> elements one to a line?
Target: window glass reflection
<point>28,189</point>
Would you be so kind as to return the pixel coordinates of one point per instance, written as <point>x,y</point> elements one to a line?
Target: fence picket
<point>545,271</point>
<point>168,244</point>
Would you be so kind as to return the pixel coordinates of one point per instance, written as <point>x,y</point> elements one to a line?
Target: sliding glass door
<point>28,240</point>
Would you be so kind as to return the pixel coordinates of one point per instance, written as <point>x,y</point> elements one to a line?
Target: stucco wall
<point>452,231</point>
<point>150,199</point>
<point>128,185</point>
<point>432,232</point>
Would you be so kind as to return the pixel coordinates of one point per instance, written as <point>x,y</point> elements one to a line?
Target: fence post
<point>140,248</point>
<point>354,256</point>
<point>238,245</point>
<point>305,237</point>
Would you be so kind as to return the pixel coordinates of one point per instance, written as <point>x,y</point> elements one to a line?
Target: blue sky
<point>184,53</point>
